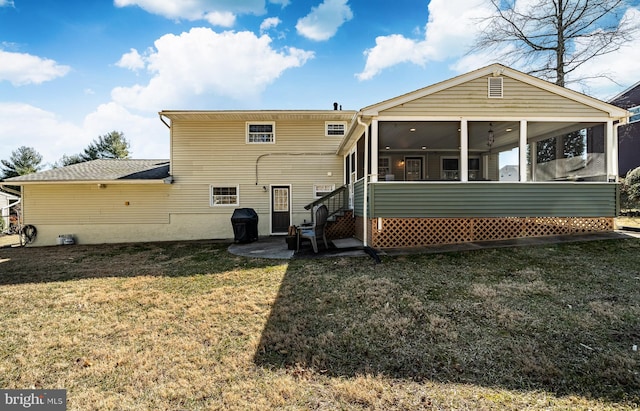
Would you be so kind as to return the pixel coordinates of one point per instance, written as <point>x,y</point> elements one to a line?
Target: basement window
<point>496,87</point>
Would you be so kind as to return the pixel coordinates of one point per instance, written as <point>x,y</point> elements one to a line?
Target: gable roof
<point>124,171</point>
<point>496,70</point>
<point>629,98</point>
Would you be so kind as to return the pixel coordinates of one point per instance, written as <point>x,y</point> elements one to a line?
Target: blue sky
<point>71,71</point>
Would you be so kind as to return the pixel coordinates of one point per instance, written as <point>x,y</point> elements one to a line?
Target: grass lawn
<point>187,326</point>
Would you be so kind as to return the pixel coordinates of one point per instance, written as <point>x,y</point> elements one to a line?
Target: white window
<point>495,87</point>
<point>261,132</point>
<point>321,190</point>
<point>635,114</point>
<point>384,168</point>
<point>281,200</point>
<point>474,168</point>
<point>335,128</point>
<point>224,196</point>
<point>451,168</point>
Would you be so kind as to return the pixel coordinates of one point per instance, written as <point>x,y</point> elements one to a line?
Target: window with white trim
<point>451,168</point>
<point>635,114</point>
<point>384,167</point>
<point>261,132</point>
<point>474,168</point>
<point>321,190</point>
<point>336,128</point>
<point>224,196</point>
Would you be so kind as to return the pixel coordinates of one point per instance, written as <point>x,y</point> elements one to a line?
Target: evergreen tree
<point>24,160</point>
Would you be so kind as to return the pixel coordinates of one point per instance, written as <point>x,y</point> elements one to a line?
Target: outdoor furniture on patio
<point>316,229</point>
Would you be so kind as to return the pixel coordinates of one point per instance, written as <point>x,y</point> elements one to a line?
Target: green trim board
<point>481,199</point>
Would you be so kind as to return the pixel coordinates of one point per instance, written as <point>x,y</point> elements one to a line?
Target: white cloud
<point>149,138</point>
<point>604,76</point>
<point>217,12</point>
<point>323,21</point>
<point>7,3</point>
<point>268,24</point>
<point>131,60</point>
<point>201,61</point>
<point>621,67</point>
<point>283,3</point>
<point>22,68</point>
<point>392,50</point>
<point>26,125</point>
<point>450,30</point>
<point>222,19</point>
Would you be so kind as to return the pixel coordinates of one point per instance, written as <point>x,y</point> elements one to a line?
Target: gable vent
<point>495,87</point>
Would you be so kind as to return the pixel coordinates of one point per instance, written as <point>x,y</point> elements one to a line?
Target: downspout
<point>365,202</point>
<point>164,122</point>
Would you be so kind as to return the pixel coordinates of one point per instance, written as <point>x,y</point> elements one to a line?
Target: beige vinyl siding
<point>89,204</point>
<point>471,99</point>
<point>215,152</point>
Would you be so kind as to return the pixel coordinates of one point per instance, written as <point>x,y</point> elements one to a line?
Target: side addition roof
<point>123,171</point>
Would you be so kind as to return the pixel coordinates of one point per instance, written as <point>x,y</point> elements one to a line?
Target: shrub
<point>630,190</point>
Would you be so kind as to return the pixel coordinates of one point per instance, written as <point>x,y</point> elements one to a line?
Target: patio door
<point>413,168</point>
<point>280,209</point>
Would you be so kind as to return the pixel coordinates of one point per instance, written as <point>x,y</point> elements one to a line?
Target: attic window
<point>495,87</point>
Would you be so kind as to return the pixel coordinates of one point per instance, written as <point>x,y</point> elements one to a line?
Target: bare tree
<point>553,38</point>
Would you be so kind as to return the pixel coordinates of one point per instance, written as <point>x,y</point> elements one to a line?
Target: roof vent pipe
<point>335,106</point>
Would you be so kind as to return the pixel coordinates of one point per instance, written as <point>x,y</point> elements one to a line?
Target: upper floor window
<point>261,132</point>
<point>336,128</point>
<point>635,114</point>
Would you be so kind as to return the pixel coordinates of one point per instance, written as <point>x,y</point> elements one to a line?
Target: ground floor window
<point>224,196</point>
<point>321,190</point>
<point>451,168</point>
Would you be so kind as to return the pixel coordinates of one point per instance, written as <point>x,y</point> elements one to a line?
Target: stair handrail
<point>335,201</point>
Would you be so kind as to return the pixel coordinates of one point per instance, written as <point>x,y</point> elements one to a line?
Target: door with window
<point>413,168</point>
<point>280,209</point>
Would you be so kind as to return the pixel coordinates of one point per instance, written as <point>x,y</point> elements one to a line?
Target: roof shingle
<point>101,170</point>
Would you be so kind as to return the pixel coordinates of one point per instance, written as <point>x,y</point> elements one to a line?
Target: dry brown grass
<point>187,326</point>
<point>628,221</point>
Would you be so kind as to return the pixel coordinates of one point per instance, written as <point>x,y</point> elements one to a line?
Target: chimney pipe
<point>335,106</point>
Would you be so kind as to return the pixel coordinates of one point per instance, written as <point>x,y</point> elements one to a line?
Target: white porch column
<point>464,151</point>
<point>616,169</point>
<point>612,152</point>
<point>522,167</point>
<point>534,160</point>
<point>374,151</point>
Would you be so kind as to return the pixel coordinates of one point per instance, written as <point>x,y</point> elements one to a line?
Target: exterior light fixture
<point>412,129</point>
<point>424,147</point>
<point>490,136</point>
<point>387,147</point>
